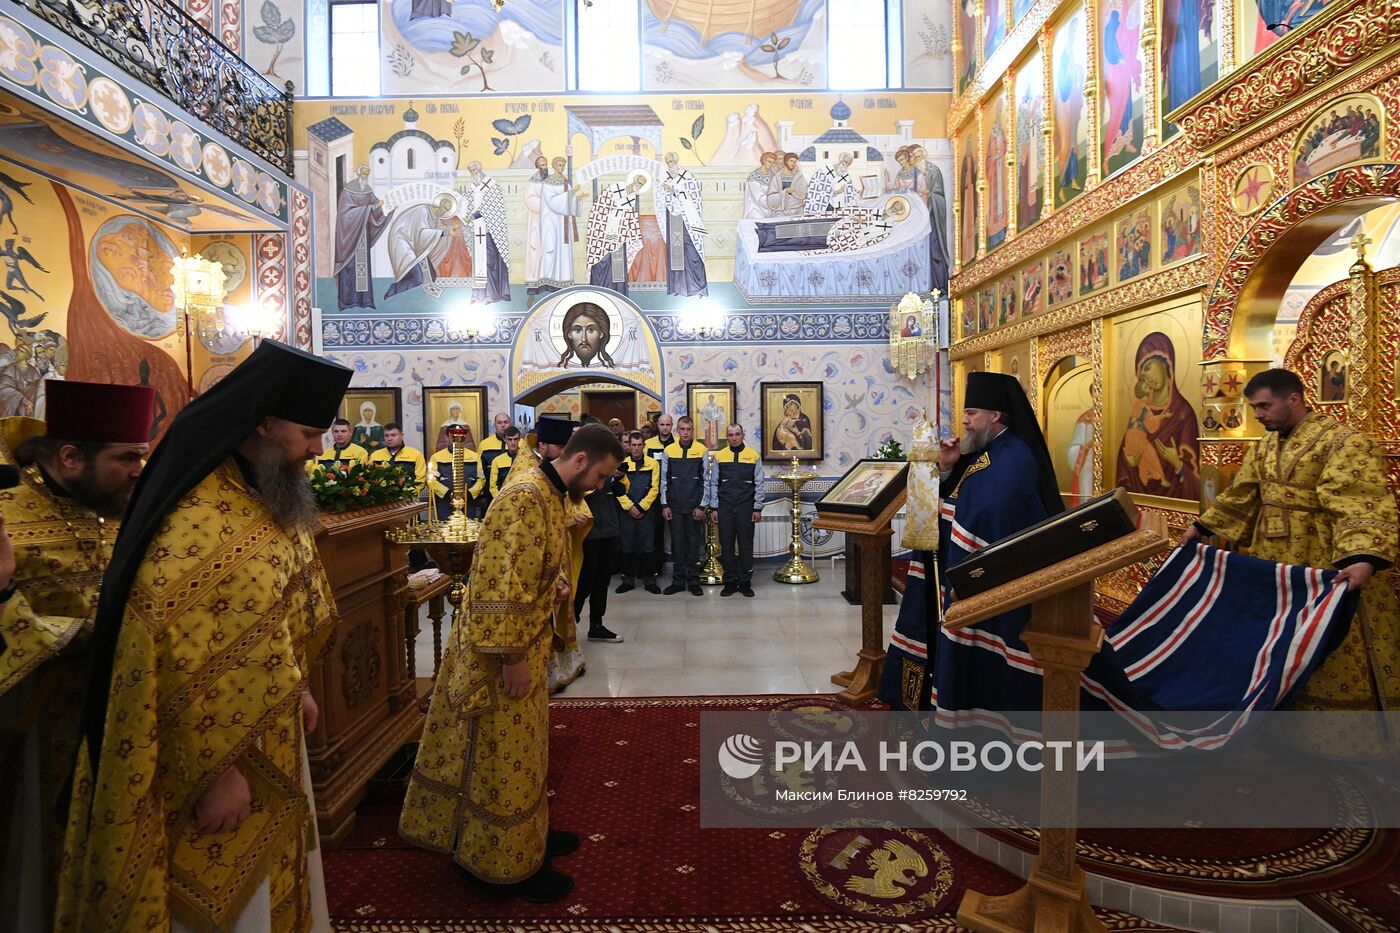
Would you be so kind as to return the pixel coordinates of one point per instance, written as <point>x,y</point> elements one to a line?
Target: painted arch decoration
<point>1372,182</point>
<point>586,334</point>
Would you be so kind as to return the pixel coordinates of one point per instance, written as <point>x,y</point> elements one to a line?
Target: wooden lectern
<point>871,537</point>
<point>1063,637</point>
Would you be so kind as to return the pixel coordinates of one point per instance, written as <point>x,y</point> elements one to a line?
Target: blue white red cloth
<point>1211,631</point>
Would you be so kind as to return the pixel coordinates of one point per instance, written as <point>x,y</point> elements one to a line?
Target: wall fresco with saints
<point>786,201</point>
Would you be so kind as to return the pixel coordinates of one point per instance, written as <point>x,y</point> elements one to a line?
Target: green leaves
<point>275,30</point>
<point>696,129</point>
<point>462,43</point>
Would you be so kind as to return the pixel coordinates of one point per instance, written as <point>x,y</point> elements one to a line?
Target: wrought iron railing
<point>157,42</point>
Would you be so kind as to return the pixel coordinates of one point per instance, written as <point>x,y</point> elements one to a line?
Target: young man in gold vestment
<point>565,656</point>
<point>478,787</point>
<point>191,806</point>
<point>77,472</point>
<point>1313,493</point>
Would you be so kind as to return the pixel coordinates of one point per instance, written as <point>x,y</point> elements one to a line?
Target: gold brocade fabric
<point>565,656</point>
<point>61,549</point>
<point>1316,498</point>
<point>478,786</point>
<point>222,621</point>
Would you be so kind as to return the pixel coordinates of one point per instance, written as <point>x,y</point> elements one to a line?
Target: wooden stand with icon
<point>872,540</point>
<point>1063,637</point>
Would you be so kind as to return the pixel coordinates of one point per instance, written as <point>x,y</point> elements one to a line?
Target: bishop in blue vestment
<point>997,481</point>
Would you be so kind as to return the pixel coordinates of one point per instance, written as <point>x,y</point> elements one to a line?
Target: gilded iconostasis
<point>1153,203</point>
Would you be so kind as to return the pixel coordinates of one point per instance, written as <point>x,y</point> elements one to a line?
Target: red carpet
<point>625,775</point>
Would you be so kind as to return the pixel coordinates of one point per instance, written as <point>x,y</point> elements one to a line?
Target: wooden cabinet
<point>366,691</point>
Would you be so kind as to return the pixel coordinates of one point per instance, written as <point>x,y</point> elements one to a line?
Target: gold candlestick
<point>449,543</point>
<point>795,570</point>
<point>712,573</point>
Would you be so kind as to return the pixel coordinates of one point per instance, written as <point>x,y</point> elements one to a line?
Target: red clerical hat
<point>99,412</point>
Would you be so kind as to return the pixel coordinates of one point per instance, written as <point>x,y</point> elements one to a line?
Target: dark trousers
<point>655,559</point>
<point>687,545</point>
<point>594,577</point>
<point>639,545</point>
<point>736,528</point>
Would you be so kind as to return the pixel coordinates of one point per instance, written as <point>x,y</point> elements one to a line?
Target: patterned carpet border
<point>692,702</point>
<point>1300,870</point>
<point>1114,920</point>
<point>1349,915</point>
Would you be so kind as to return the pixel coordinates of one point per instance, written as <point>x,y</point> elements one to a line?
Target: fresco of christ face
<point>586,336</point>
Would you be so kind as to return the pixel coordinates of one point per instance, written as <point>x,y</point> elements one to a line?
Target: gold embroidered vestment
<point>1313,499</point>
<point>478,786</point>
<point>225,616</point>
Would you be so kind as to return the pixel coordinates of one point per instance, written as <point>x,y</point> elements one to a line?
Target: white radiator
<point>774,534</point>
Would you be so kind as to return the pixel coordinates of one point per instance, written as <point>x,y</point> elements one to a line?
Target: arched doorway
<point>587,348</point>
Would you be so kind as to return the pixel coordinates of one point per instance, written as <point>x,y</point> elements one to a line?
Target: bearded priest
<point>478,787</point>
<point>1313,493</point>
<point>996,480</point>
<point>192,799</point>
<point>76,474</point>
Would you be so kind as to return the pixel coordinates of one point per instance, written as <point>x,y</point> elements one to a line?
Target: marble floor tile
<point>786,639</point>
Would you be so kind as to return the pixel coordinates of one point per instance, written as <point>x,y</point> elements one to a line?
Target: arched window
<point>409,156</point>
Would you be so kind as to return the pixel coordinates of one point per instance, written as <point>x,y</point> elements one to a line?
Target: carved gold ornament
<point>913,334</point>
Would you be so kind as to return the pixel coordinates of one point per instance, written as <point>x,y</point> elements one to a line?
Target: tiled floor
<point>786,639</point>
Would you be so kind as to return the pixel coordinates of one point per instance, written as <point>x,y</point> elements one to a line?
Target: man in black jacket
<point>599,548</point>
<point>685,470</point>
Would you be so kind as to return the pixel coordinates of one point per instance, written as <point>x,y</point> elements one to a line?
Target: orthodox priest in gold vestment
<point>1313,493</point>
<point>566,663</point>
<point>76,474</point>
<point>191,806</point>
<point>478,787</point>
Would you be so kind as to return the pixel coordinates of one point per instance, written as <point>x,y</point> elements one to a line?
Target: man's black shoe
<point>626,587</point>
<point>543,887</point>
<point>561,842</point>
<point>603,633</point>
<point>651,587</point>
<point>673,589</point>
<point>695,590</point>
<point>746,590</point>
<point>729,590</point>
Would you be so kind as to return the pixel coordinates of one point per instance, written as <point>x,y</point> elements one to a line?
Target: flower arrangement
<point>889,450</point>
<point>360,485</point>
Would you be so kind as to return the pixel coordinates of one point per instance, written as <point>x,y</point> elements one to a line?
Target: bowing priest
<point>478,787</point>
<point>566,662</point>
<point>192,798</point>
<point>1313,493</point>
<point>76,474</point>
<point>998,479</point>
